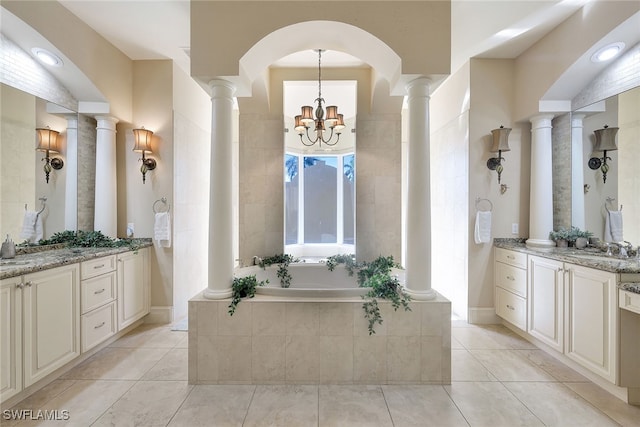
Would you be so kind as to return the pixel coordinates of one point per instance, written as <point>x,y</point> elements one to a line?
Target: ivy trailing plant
<point>87,239</point>
<point>243,287</point>
<point>283,261</point>
<point>375,275</point>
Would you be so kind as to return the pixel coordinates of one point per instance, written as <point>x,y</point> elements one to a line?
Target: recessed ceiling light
<point>607,52</point>
<point>47,57</point>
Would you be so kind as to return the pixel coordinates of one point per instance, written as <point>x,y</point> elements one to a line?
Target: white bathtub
<point>309,280</point>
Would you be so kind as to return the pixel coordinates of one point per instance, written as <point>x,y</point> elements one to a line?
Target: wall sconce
<point>605,141</point>
<point>500,144</point>
<point>142,144</point>
<point>48,142</point>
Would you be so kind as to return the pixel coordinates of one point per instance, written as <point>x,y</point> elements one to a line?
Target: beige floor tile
<point>455,344</point>
<point>45,394</point>
<point>85,402</point>
<point>556,405</point>
<point>623,413</point>
<point>139,336</point>
<point>508,365</point>
<point>184,341</point>
<point>428,405</point>
<point>147,403</point>
<point>490,404</point>
<point>553,366</point>
<point>476,339</point>
<point>350,405</point>
<point>117,364</point>
<point>504,336</point>
<point>230,407</point>
<point>465,367</point>
<point>283,405</point>
<point>164,338</point>
<point>173,366</point>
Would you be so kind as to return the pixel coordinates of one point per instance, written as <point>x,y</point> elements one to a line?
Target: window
<point>320,202</point>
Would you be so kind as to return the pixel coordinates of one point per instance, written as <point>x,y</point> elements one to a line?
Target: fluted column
<point>106,202</point>
<point>418,229</point>
<point>71,183</point>
<point>541,197</point>
<point>220,192</point>
<point>577,173</point>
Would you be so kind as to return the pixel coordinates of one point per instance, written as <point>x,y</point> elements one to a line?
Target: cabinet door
<point>133,287</point>
<point>51,321</point>
<point>591,320</point>
<point>545,301</point>
<point>10,337</point>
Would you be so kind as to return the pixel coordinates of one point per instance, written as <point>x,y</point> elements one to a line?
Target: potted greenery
<point>561,237</point>
<point>579,237</point>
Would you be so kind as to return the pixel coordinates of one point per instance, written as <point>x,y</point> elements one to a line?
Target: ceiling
<point>159,29</point>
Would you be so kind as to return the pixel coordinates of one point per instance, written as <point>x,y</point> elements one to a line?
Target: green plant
<point>560,234</point>
<point>386,287</point>
<point>243,287</point>
<point>87,239</point>
<point>283,261</point>
<point>380,265</point>
<point>349,261</point>
<point>575,233</point>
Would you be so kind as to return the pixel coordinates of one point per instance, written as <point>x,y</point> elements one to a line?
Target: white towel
<point>32,230</point>
<point>482,232</point>
<point>162,229</point>
<point>613,227</point>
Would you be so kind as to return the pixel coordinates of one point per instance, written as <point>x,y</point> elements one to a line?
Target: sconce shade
<point>606,139</point>
<point>142,143</point>
<point>307,114</point>
<point>500,139</point>
<point>47,140</point>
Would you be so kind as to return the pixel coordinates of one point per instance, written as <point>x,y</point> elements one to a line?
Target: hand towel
<point>482,232</point>
<point>162,229</point>
<point>32,230</point>
<point>613,227</point>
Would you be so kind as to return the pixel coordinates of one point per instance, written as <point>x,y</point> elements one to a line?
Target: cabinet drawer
<point>517,259</point>
<point>97,291</point>
<point>629,301</point>
<point>511,308</point>
<point>96,267</point>
<point>511,278</point>
<point>98,325</point>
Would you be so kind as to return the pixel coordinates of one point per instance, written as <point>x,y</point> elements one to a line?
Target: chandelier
<point>333,122</point>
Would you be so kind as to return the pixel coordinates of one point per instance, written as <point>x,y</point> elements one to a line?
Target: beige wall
<point>18,174</point>
<point>629,159</point>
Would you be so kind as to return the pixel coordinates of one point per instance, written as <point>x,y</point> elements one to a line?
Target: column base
<point>426,295</point>
<point>540,243</point>
<point>217,294</point>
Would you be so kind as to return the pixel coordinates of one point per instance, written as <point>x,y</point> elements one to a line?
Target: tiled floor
<point>498,379</point>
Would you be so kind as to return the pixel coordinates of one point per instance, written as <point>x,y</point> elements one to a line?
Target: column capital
<point>221,88</point>
<point>72,121</point>
<point>419,87</point>
<point>541,120</point>
<point>576,120</point>
<point>106,122</point>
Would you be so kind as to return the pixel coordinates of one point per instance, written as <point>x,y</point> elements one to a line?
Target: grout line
<point>193,387</point>
<point>384,396</point>
<point>255,387</point>
<point>456,405</point>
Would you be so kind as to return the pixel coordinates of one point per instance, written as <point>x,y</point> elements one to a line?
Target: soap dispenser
<point>8,249</point>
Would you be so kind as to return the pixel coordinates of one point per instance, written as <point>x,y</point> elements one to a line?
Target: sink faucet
<point>622,249</point>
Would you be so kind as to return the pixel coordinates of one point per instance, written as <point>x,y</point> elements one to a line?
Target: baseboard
<point>483,316</point>
<point>160,314</point>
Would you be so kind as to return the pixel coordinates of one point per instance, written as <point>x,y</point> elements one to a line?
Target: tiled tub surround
<point>271,340</point>
<point>44,260</point>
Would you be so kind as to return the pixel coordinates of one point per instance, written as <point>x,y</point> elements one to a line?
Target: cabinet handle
<point>95,267</point>
<point>29,283</point>
<point>99,292</point>
<point>20,285</point>
<point>99,326</point>
<point>510,278</point>
<point>511,257</point>
<point>510,307</point>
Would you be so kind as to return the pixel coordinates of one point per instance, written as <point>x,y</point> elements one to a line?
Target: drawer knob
<point>510,307</point>
<point>29,283</point>
<point>510,278</point>
<point>20,285</point>
<point>99,292</point>
<point>95,267</point>
<point>511,257</point>
<point>99,326</point>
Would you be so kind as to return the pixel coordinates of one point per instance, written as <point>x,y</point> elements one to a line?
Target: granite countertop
<point>37,261</point>
<point>588,257</point>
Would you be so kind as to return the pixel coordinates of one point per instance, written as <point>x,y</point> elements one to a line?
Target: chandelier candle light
<point>333,121</point>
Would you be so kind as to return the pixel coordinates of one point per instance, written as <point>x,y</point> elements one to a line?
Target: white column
<point>577,173</point>
<point>418,255</point>
<point>541,197</point>
<point>220,192</point>
<point>106,202</point>
<point>71,183</point>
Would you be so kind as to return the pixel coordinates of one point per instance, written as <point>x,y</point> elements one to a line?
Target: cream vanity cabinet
<point>545,301</point>
<point>133,286</point>
<point>98,302</point>
<point>51,321</point>
<point>511,286</point>
<point>10,337</point>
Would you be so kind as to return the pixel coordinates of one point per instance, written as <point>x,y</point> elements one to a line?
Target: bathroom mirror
<point>22,173</point>
<point>622,186</point>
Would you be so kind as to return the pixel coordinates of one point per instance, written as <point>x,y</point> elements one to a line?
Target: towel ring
<point>610,201</point>
<point>164,202</point>
<point>479,200</point>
